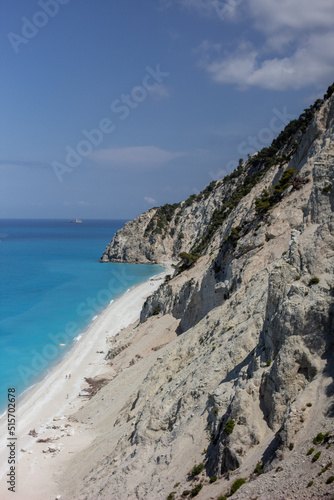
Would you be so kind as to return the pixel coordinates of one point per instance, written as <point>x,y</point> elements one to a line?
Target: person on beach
<point>65,376</point>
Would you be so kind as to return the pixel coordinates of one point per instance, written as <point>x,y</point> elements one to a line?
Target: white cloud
<point>290,21</point>
<point>234,68</point>
<point>312,63</point>
<point>294,51</point>
<point>22,164</point>
<point>268,16</point>
<point>220,9</point>
<point>137,157</point>
<point>292,15</point>
<point>149,199</point>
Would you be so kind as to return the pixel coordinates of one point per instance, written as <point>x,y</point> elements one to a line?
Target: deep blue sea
<point>51,288</point>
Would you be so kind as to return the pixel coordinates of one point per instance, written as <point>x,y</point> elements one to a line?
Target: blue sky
<point>111,107</point>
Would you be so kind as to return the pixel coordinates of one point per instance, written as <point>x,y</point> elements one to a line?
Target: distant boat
<point>75,221</point>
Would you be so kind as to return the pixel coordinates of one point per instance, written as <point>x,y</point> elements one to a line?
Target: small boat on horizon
<point>75,221</point>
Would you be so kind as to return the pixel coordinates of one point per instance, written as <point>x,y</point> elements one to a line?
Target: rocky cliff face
<point>160,234</point>
<point>249,377</point>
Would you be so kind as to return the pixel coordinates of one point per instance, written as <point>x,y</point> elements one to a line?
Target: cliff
<point>240,376</point>
<point>160,234</point>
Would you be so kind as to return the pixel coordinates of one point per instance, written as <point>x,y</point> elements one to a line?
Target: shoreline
<point>75,340</point>
<point>57,394</point>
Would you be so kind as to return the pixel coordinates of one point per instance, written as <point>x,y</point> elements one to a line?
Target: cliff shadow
<point>233,374</point>
<point>329,357</point>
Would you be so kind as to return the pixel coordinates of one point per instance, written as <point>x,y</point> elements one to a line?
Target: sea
<point>52,286</point>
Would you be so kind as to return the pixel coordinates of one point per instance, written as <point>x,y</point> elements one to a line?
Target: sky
<point>108,108</point>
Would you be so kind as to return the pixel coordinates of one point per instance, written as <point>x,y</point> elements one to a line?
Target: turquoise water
<point>51,288</point>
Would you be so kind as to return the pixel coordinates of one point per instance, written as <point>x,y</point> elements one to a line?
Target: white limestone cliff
<point>248,331</point>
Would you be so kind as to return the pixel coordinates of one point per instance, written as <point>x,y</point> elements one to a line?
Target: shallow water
<point>51,287</point>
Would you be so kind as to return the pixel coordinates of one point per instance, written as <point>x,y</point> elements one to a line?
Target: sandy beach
<point>45,408</point>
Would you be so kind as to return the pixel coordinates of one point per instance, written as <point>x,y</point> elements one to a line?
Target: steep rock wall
<point>256,317</point>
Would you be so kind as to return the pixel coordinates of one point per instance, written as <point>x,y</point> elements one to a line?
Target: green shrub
<point>291,446</point>
<point>309,404</point>
<point>189,201</point>
<point>266,201</point>
<point>206,192</point>
<point>171,495</point>
<point>196,490</point>
<point>318,438</point>
<point>284,181</point>
<point>330,480</point>
<point>297,277</point>
<point>259,468</point>
<point>316,456</point>
<point>309,484</point>
<point>310,451</point>
<point>314,280</point>
<point>222,497</point>
<point>269,362</point>
<point>185,493</point>
<point>197,469</point>
<point>188,259</point>
<point>263,204</point>
<point>159,223</point>
<point>325,469</point>
<point>234,236</point>
<point>213,479</point>
<point>236,485</point>
<point>329,92</point>
<point>326,189</point>
<point>156,310</point>
<point>229,426</point>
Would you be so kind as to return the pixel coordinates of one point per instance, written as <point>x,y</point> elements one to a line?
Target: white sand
<point>57,396</point>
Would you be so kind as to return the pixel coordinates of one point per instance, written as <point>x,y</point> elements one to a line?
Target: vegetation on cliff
<point>279,153</point>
